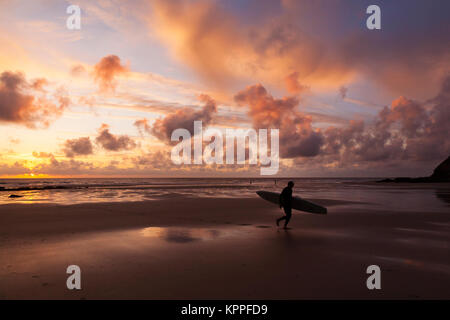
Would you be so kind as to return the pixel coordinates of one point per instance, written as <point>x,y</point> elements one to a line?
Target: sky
<point>102,101</point>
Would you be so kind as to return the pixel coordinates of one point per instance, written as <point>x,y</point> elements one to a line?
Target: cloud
<point>153,163</point>
<point>65,167</point>
<point>297,137</point>
<point>76,147</point>
<point>197,33</point>
<point>293,85</point>
<point>184,118</point>
<point>143,126</point>
<point>223,48</point>
<point>13,169</point>
<point>405,130</point>
<point>113,143</point>
<point>154,160</point>
<point>14,140</point>
<point>39,84</point>
<point>42,154</point>
<point>357,143</point>
<point>226,46</point>
<point>343,92</point>
<point>24,103</point>
<point>77,70</point>
<point>265,111</point>
<point>106,71</point>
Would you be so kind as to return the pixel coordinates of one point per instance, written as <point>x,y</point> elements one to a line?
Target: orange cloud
<point>227,50</point>
<point>293,84</point>
<point>142,125</point>
<point>222,50</point>
<point>297,137</point>
<point>42,154</point>
<point>106,70</point>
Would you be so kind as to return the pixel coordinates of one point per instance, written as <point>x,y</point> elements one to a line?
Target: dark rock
<point>15,196</point>
<point>442,171</point>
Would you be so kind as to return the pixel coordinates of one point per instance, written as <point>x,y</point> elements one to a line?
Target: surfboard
<point>297,202</point>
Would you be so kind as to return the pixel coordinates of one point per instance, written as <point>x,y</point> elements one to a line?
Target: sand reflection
<point>181,235</point>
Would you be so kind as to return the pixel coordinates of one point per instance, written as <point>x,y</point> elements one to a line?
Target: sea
<point>357,192</point>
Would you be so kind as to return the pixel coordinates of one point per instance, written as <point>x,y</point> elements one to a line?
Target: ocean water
<point>360,192</point>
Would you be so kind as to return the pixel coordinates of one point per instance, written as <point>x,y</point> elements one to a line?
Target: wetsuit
<point>286,202</point>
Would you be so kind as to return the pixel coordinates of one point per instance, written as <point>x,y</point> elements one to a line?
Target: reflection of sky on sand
<point>438,237</point>
<point>182,262</point>
<point>100,249</point>
<point>424,232</point>
<point>182,235</point>
<point>443,195</point>
<point>418,264</point>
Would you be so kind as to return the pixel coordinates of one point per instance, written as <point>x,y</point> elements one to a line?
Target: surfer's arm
<point>279,200</point>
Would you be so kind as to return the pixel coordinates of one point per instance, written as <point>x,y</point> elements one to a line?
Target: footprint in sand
<point>263,227</point>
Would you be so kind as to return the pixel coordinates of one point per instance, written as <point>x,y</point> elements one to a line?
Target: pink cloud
<point>297,136</point>
<point>184,118</point>
<point>24,103</point>
<point>80,146</point>
<point>112,142</point>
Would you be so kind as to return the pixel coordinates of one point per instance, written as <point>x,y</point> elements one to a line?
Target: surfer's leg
<point>279,219</point>
<point>288,216</point>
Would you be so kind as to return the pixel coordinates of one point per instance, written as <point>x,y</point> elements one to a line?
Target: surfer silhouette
<point>286,202</point>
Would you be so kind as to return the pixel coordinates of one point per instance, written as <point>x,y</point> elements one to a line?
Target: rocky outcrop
<point>442,171</point>
<point>440,174</point>
<point>15,196</point>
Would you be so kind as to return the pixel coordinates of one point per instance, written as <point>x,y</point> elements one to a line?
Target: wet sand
<point>220,249</point>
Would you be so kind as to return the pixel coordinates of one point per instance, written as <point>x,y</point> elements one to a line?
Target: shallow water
<point>358,192</point>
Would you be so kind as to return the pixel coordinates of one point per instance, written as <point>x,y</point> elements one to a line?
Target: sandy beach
<point>217,248</point>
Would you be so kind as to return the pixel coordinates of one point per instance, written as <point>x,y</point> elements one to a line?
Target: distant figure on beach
<point>286,203</point>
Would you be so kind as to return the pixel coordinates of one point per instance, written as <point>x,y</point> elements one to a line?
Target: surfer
<point>286,202</point>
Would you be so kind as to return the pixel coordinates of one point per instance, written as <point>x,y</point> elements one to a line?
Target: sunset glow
<point>85,102</point>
